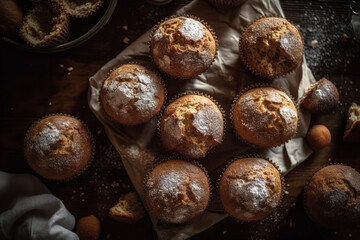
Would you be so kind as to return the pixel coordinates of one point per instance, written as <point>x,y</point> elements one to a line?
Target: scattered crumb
<point>70,69</point>
<point>61,65</point>
<point>68,73</point>
<point>50,103</point>
<point>350,235</point>
<point>313,43</point>
<point>99,132</point>
<point>224,232</point>
<point>126,40</point>
<point>125,27</point>
<point>286,192</point>
<point>344,38</point>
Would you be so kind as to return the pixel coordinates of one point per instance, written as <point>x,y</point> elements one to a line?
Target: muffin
<point>192,125</point>
<point>80,9</point>
<point>265,117</point>
<point>318,137</point>
<point>45,25</point>
<point>226,3</point>
<point>352,128</point>
<point>132,94</point>
<point>176,191</point>
<point>332,197</point>
<point>183,47</point>
<point>59,147</point>
<point>128,209</point>
<point>11,16</point>
<point>271,47</point>
<point>250,189</point>
<point>321,97</point>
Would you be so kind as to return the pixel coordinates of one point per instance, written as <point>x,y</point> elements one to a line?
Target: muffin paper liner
<point>89,162</point>
<point>250,68</point>
<point>140,146</point>
<point>259,85</point>
<point>283,185</point>
<point>177,157</point>
<point>60,35</point>
<point>96,6</point>
<point>185,94</point>
<point>147,66</point>
<point>187,16</point>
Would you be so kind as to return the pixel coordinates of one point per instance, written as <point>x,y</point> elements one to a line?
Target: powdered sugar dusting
<point>43,141</point>
<point>208,122</point>
<point>133,91</point>
<point>288,114</point>
<point>192,29</point>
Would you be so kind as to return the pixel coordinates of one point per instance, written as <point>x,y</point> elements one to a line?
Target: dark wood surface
<point>34,85</point>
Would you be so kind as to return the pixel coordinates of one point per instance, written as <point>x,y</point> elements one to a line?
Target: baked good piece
<point>352,128</point>
<point>176,191</point>
<point>265,117</point>
<point>183,47</point>
<point>321,97</point>
<point>80,9</point>
<point>45,25</point>
<point>318,137</point>
<point>59,147</point>
<point>88,228</point>
<point>192,125</point>
<point>11,16</point>
<point>132,94</point>
<point>250,189</point>
<point>128,209</point>
<point>332,197</point>
<point>271,47</point>
<point>226,3</point>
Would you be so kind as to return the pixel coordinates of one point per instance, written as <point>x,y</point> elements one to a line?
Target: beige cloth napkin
<point>140,147</point>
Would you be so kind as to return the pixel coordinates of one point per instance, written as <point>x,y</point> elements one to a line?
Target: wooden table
<point>34,85</point>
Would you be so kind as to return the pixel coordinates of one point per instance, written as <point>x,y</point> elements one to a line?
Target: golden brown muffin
<point>318,137</point>
<point>271,47</point>
<point>128,209</point>
<point>183,47</point>
<point>352,128</point>
<point>11,16</point>
<point>192,125</point>
<point>265,117</point>
<point>45,25</point>
<point>88,228</point>
<point>332,197</point>
<point>80,8</point>
<point>226,3</point>
<point>321,97</point>
<point>59,147</point>
<point>176,191</point>
<point>250,189</point>
<point>132,94</point>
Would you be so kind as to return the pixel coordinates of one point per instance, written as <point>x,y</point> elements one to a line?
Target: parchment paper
<point>140,147</point>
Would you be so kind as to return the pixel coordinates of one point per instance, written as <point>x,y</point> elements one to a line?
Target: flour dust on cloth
<point>140,147</point>
<point>29,211</point>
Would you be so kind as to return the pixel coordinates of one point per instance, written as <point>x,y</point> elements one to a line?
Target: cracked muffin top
<point>192,125</point>
<point>183,47</point>
<point>265,117</point>
<point>332,197</point>
<point>250,189</point>
<point>176,191</point>
<point>59,147</point>
<point>271,47</point>
<point>132,94</point>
